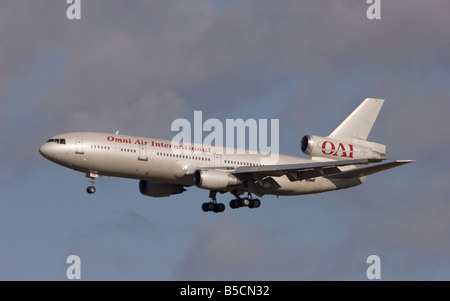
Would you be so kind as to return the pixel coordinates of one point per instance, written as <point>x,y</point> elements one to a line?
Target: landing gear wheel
<point>90,189</point>
<point>215,207</point>
<point>255,203</point>
<point>246,202</point>
<point>211,206</point>
<point>219,208</point>
<point>234,204</point>
<point>205,207</point>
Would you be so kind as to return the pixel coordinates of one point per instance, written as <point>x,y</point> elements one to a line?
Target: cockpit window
<point>59,141</point>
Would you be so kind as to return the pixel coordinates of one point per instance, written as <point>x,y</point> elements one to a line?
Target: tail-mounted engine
<point>325,147</point>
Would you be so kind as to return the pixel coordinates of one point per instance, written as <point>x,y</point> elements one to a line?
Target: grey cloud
<point>138,66</point>
<point>112,244</point>
<point>193,49</point>
<point>231,250</point>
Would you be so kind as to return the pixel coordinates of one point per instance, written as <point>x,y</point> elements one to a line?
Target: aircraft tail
<point>349,139</point>
<point>359,123</point>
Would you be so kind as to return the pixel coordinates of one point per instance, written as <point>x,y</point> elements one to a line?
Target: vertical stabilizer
<point>358,124</point>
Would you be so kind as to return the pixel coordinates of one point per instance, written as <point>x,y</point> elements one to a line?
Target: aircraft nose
<point>44,150</point>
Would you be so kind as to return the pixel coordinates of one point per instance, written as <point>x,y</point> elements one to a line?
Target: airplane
<point>334,164</point>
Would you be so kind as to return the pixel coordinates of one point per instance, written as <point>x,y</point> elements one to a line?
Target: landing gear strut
<point>213,205</point>
<point>92,176</point>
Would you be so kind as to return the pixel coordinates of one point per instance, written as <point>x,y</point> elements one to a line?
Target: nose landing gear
<point>92,176</point>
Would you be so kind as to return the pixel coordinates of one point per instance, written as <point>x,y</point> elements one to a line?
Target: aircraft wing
<point>299,171</point>
<point>365,171</point>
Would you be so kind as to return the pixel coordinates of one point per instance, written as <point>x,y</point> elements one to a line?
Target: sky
<point>138,66</point>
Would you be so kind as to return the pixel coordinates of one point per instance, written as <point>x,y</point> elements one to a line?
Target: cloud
<point>232,250</point>
<point>113,245</point>
<point>136,67</point>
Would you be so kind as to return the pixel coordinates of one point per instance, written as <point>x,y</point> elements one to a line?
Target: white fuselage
<point>156,160</point>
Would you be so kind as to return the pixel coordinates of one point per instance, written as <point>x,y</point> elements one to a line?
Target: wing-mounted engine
<point>326,147</point>
<point>158,189</point>
<point>214,179</point>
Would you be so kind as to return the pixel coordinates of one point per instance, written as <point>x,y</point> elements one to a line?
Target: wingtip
<point>405,161</point>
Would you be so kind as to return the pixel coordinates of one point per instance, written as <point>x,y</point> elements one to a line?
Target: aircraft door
<point>79,148</point>
<point>143,153</point>
<point>217,160</point>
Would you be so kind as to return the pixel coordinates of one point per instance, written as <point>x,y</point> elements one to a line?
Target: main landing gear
<point>213,205</point>
<point>234,204</point>
<point>245,202</point>
<point>92,176</point>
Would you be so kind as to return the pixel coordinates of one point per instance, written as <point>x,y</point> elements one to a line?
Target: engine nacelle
<point>214,179</point>
<point>326,147</point>
<point>159,189</point>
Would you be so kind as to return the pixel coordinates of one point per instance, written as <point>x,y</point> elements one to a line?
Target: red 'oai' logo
<point>339,151</point>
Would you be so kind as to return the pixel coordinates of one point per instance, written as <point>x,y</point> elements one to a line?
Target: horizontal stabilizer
<point>365,171</point>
